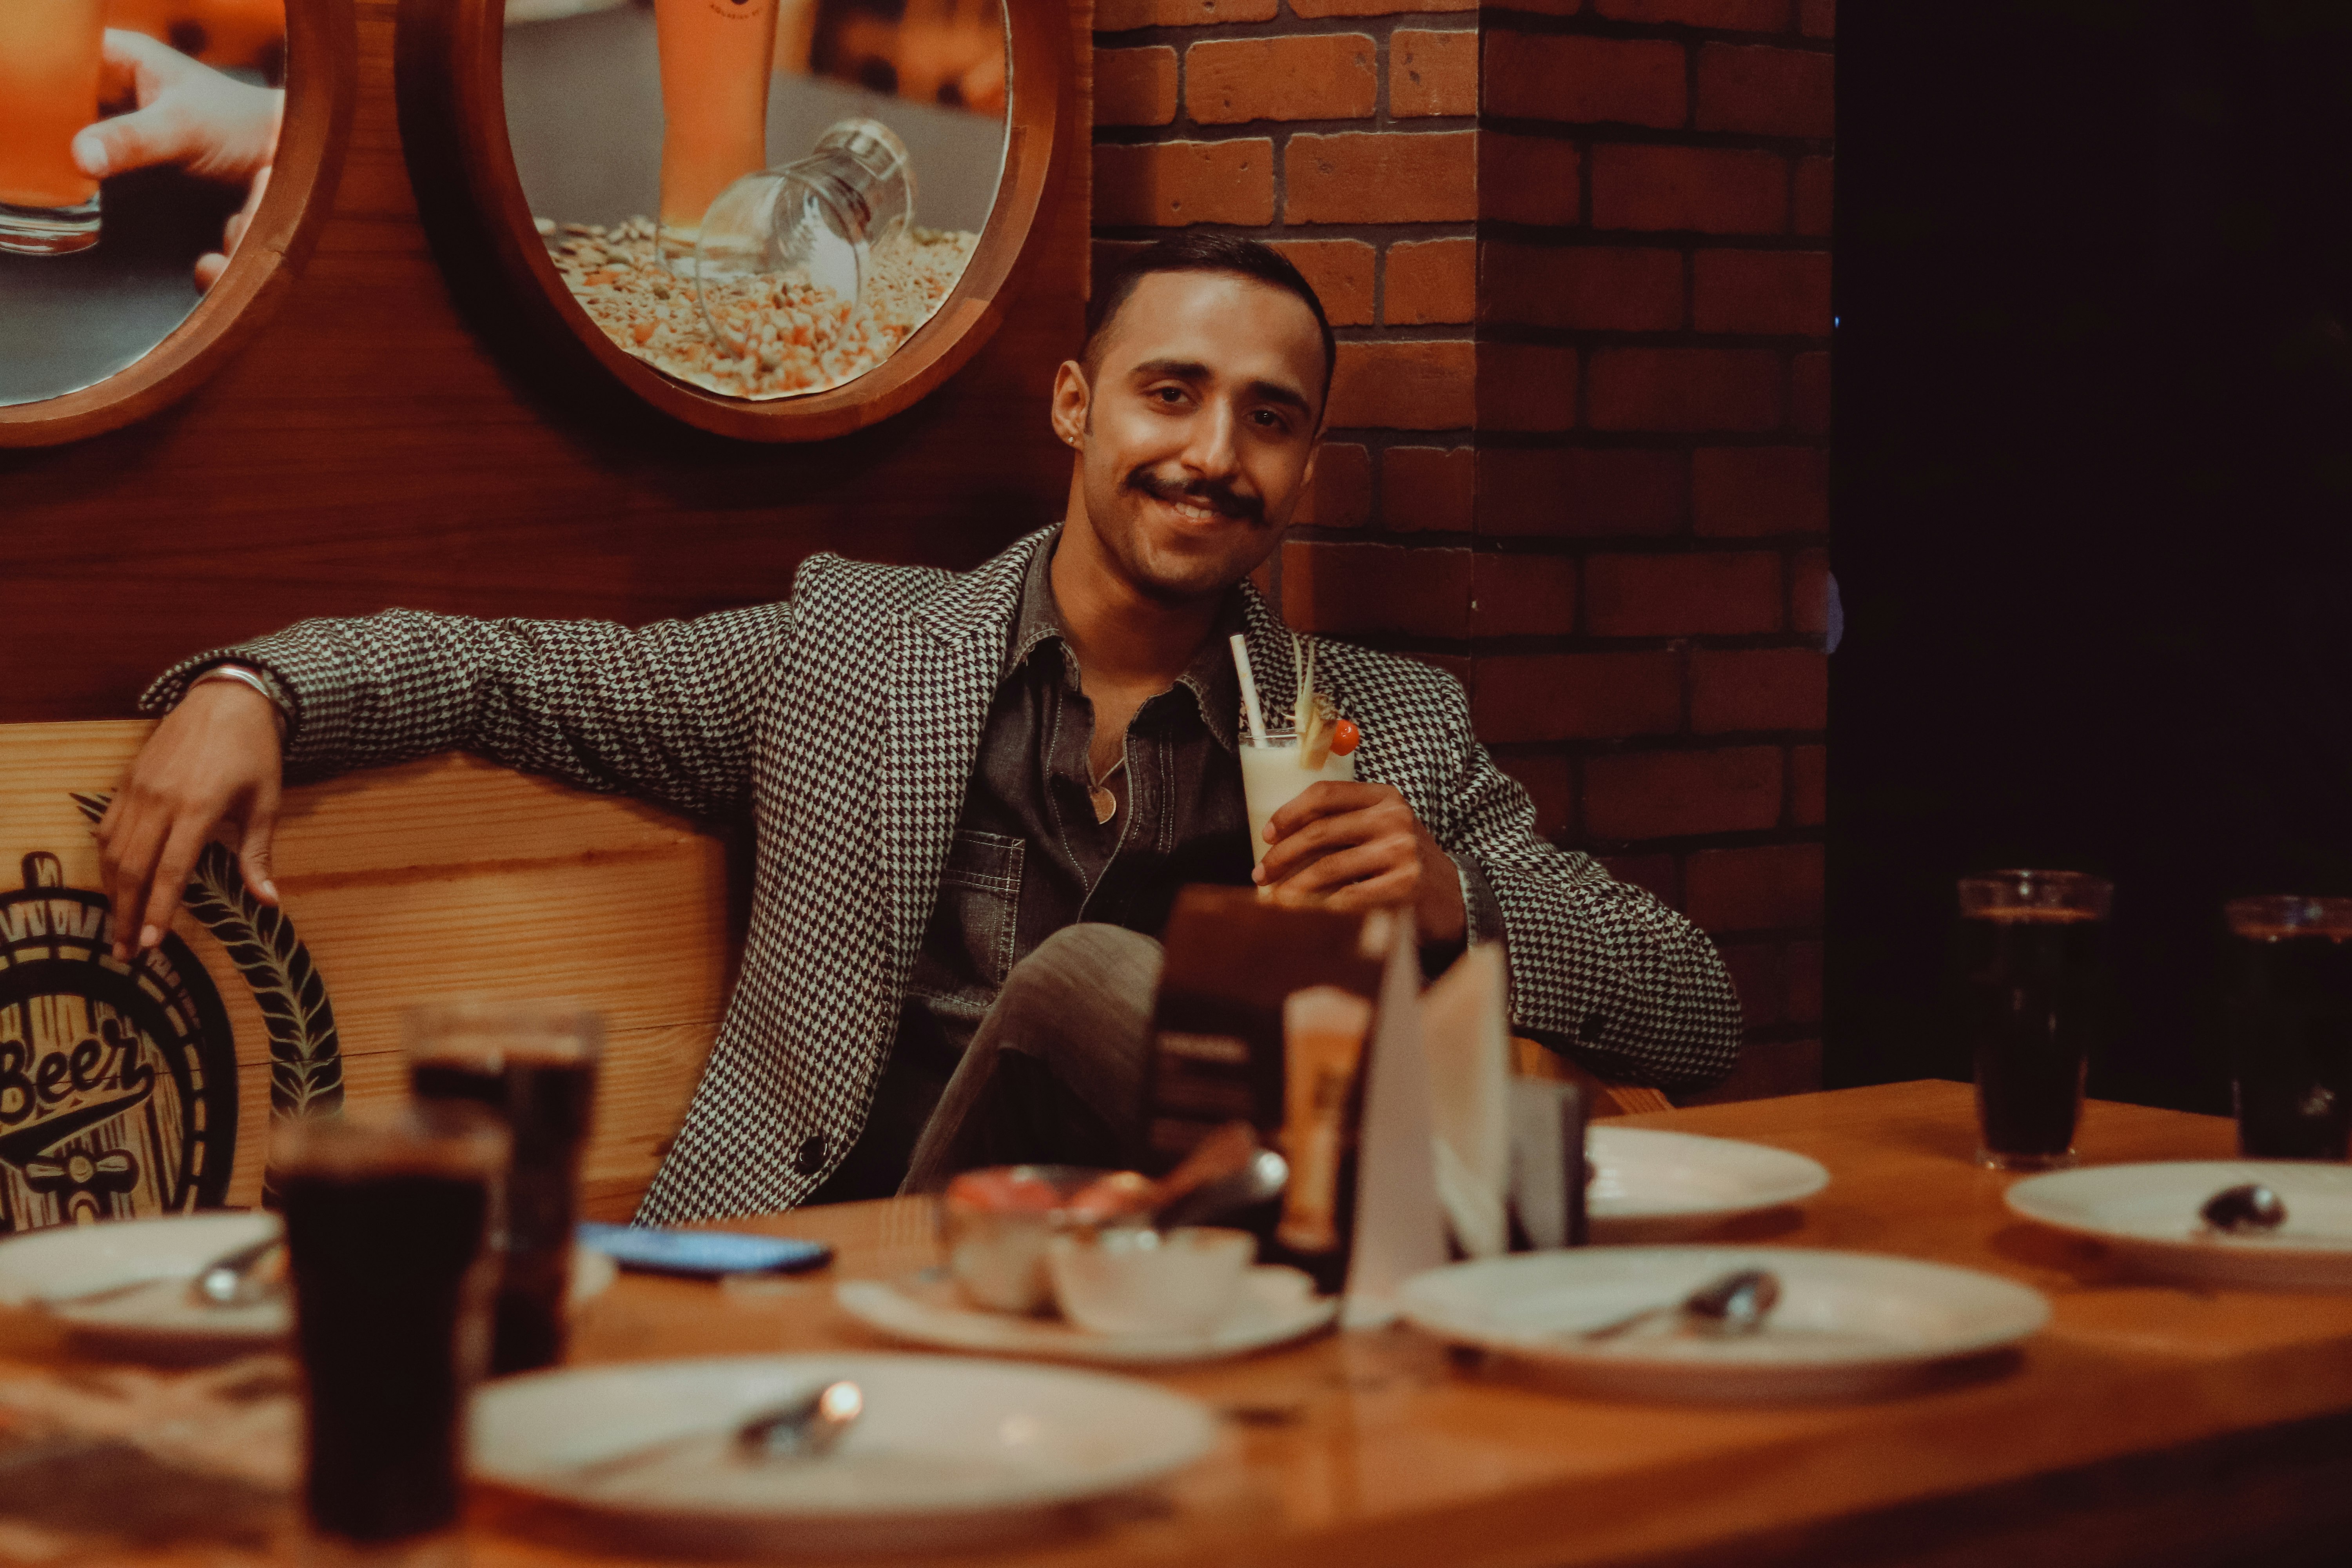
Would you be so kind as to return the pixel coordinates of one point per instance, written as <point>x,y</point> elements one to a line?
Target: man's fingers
<point>1357,863</point>
<point>158,135</point>
<point>127,857</point>
<point>179,858</point>
<point>1392,891</point>
<point>254,851</point>
<point>1328,797</point>
<point>1386,816</point>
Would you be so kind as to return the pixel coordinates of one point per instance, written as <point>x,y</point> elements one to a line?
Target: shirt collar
<point>1209,678</point>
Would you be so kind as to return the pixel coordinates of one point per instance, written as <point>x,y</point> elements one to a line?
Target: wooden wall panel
<point>367,449</point>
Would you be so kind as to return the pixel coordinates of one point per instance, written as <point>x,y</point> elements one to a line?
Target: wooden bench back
<point>436,879</point>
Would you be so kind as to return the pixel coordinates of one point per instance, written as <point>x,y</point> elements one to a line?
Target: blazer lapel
<point>943,663</point>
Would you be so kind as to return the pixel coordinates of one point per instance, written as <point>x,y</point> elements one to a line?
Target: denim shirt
<point>1029,858</point>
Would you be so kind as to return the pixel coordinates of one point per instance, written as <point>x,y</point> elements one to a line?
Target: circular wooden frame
<point>453,125</point>
<point>322,86</point>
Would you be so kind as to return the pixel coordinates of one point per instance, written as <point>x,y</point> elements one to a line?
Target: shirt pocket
<point>968,946</point>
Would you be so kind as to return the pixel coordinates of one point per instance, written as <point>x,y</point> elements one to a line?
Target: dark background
<point>2092,502</point>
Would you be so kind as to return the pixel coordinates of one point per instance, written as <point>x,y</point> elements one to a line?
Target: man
<point>974,795</point>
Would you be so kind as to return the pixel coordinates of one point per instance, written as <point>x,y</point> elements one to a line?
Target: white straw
<point>1249,692</point>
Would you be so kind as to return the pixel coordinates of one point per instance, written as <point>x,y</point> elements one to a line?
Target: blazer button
<point>812,1155</point>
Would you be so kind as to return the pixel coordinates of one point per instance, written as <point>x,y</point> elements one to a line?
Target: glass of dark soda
<point>2289,1012</point>
<point>2033,978</point>
<point>388,1228</point>
<point>534,1064</point>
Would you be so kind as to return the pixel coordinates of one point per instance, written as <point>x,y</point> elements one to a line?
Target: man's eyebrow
<point>1178,369</point>
<point>1275,392</point>
<point>1193,370</point>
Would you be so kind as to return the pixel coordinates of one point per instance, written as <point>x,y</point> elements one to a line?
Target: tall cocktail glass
<point>49,53</point>
<point>2032,970</point>
<point>1271,778</point>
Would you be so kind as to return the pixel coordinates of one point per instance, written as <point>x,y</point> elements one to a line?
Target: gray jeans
<point>1053,1074</point>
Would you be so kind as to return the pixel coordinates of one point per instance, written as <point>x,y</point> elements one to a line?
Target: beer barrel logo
<point>118,1083</point>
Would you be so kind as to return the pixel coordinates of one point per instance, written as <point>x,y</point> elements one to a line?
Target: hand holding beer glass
<point>49,63</point>
<point>715,58</point>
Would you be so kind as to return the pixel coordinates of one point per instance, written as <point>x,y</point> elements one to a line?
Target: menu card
<point>1219,1055</point>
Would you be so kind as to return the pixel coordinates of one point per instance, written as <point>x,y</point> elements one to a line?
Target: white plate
<point>1848,1323</point>
<point>160,1319</point>
<point>949,1451</point>
<point>1277,1305</point>
<point>1650,1186</point>
<point>2148,1213</point>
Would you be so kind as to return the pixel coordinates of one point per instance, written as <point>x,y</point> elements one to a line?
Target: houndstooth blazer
<point>847,720</point>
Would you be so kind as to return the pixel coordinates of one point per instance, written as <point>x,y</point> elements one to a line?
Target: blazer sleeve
<point>665,711</point>
<point>1600,970</point>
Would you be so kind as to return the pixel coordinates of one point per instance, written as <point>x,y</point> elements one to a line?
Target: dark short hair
<point>1201,252</point>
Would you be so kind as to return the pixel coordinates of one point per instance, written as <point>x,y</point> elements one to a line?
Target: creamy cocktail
<point>1273,776</point>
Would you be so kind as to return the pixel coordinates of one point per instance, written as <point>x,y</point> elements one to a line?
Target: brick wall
<point>1577,254</point>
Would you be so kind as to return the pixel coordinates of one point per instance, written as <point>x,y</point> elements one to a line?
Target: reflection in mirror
<point>762,198</point>
<point>136,138</point>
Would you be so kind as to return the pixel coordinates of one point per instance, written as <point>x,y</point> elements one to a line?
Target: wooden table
<point>2148,1424</point>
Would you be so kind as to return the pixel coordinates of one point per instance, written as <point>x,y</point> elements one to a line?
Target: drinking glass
<point>388,1227</point>
<point>2033,967</point>
<point>814,222</point>
<point>1271,778</point>
<point>716,59</point>
<point>2289,1009</point>
<point>48,91</point>
<point>534,1064</point>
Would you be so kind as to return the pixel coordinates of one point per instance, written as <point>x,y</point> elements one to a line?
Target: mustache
<point>1215,494</point>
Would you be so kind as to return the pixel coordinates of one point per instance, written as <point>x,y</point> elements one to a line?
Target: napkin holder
<point>1549,1171</point>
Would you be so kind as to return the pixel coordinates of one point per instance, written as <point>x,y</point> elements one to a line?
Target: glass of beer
<point>534,1064</point>
<point>388,1226</point>
<point>715,58</point>
<point>50,55</point>
<point>2032,971</point>
<point>2289,1008</point>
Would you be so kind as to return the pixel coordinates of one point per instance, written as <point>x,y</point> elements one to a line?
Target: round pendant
<point>1105,803</point>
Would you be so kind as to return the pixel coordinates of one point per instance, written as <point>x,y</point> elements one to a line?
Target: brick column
<point>1576,252</point>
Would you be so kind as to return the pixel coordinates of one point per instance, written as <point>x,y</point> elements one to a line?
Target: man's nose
<point>1211,453</point>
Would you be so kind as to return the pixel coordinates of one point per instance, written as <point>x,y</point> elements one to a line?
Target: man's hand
<point>210,770</point>
<point>1358,846</point>
<point>183,112</point>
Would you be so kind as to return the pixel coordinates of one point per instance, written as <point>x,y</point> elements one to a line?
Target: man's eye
<point>1168,393</point>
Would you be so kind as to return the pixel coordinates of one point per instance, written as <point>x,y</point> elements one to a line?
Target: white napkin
<point>1399,1225</point>
<point>1468,1043</point>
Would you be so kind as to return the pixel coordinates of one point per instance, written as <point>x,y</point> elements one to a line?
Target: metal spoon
<point>1734,1304</point>
<point>231,1266</point>
<point>808,1427</point>
<point>239,1279</point>
<point>2249,1209</point>
<point>1263,1176</point>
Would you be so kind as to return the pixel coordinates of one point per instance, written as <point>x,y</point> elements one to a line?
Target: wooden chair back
<point>436,879</point>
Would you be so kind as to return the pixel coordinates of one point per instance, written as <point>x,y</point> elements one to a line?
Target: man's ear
<point>1072,399</point>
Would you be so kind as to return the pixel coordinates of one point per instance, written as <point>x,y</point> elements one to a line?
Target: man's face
<point>1197,432</point>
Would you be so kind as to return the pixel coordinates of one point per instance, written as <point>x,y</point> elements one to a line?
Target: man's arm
<point>666,713</point>
<point>1599,969</point>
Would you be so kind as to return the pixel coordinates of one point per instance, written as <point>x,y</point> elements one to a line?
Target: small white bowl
<point>1182,1281</point>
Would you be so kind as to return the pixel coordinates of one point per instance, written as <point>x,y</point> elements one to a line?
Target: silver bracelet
<point>258,681</point>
